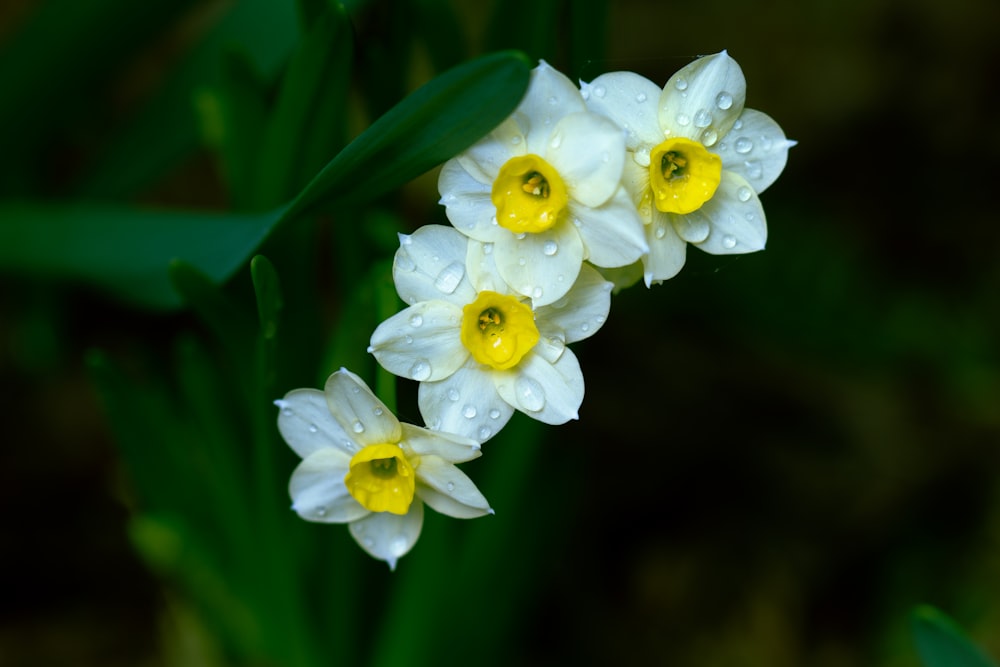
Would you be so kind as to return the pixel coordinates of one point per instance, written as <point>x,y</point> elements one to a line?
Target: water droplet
<point>709,137</point>
<point>530,395</point>
<point>521,261</point>
<point>450,486</point>
<point>702,118</point>
<point>358,427</point>
<point>683,119</point>
<point>313,428</point>
<point>724,100</point>
<point>287,412</point>
<point>550,248</point>
<point>585,327</point>
<point>522,235</point>
<point>681,83</point>
<point>416,320</point>
<point>369,542</point>
<point>536,293</point>
<point>753,169</point>
<point>556,141</point>
<point>408,338</point>
<point>469,412</point>
<point>515,140</point>
<point>485,433</point>
<point>660,232</point>
<point>560,278</point>
<point>453,395</point>
<point>404,262</point>
<point>355,390</point>
<point>494,414</point>
<point>641,156</point>
<point>766,142</point>
<point>640,98</point>
<point>743,145</point>
<point>449,278</point>
<point>729,241</point>
<point>398,546</point>
<point>750,216</point>
<point>738,125</point>
<point>320,511</point>
<point>553,100</point>
<point>487,248</point>
<point>600,91</point>
<point>743,193</point>
<point>377,411</point>
<point>420,371</point>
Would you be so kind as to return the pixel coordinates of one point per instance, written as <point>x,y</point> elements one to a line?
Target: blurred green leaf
<point>942,643</point>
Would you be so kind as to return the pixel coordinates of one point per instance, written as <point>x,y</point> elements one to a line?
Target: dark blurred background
<point>778,455</point>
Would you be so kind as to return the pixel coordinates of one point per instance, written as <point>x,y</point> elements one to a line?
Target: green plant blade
<point>942,643</point>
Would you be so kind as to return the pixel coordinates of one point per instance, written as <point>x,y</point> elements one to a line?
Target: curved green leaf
<point>942,643</point>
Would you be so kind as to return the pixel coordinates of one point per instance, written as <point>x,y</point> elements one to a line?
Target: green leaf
<point>269,302</point>
<point>942,643</point>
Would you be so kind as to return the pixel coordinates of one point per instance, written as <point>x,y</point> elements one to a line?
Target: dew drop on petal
<point>724,100</point>
<point>515,140</point>
<point>453,394</point>
<point>313,428</point>
<point>600,91</point>
<point>729,241</point>
<point>753,168</point>
<point>738,124</point>
<point>683,119</point>
<point>469,412</point>
<point>408,338</point>
<point>550,248</point>
<point>449,278</point>
<point>681,83</point>
<point>640,98</point>
<point>530,395</point>
<point>420,371</point>
<point>709,137</point>
<point>766,142</point>
<point>358,427</point>
<point>585,327</point>
<point>536,293</point>
<point>287,412</point>
<point>369,542</point>
<point>521,261</point>
<point>553,100</point>
<point>398,546</point>
<point>743,145</point>
<point>485,433</point>
<point>320,511</point>
<point>416,320</point>
<point>494,414</point>
<point>743,193</point>
<point>702,118</point>
<point>404,262</point>
<point>450,486</point>
<point>556,141</point>
<point>641,157</point>
<point>660,232</point>
<point>377,411</point>
<point>487,248</point>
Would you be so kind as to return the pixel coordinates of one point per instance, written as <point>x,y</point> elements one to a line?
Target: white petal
<point>550,393</point>
<point>306,424</point>
<point>613,233</point>
<point>756,149</point>
<point>635,179</point>
<point>630,101</point>
<point>581,312</point>
<point>358,411</point>
<point>421,342</point>
<point>703,99</point>
<point>318,491</point>
<point>447,446</point>
<point>667,250</point>
<point>388,536</point>
<point>588,151</point>
<point>430,264</point>
<point>468,204</point>
<point>448,490</point>
<point>484,158</point>
<point>541,266</point>
<point>481,264</point>
<point>737,218</point>
<point>466,404</point>
<point>550,96</point>
<point>693,227</point>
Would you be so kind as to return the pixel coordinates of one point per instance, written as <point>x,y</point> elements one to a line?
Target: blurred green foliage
<point>778,457</point>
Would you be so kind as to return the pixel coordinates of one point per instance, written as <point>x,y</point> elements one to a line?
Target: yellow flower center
<point>381,479</point>
<point>498,330</point>
<point>683,175</point>
<point>529,194</point>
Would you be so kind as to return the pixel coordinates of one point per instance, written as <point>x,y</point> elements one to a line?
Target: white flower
<point>361,466</point>
<point>697,159</point>
<point>545,188</point>
<point>479,350</point>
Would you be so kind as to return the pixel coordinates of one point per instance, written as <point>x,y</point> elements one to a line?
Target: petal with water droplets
<point>358,410</point>
<point>388,536</point>
<point>531,269</point>
<point>758,150</point>
<point>581,313</point>
<point>737,218</point>
<point>444,404</point>
<point>550,96</point>
<point>667,250</point>
<point>612,233</point>
<point>429,251</point>
<point>704,96</point>
<point>305,422</point>
<point>630,101</point>
<point>468,203</point>
<point>318,491</point>
<point>449,446</point>
<point>398,343</point>
<point>448,490</point>
<point>589,158</point>
<point>550,393</point>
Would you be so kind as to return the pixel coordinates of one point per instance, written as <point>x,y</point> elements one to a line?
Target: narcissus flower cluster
<point>576,184</point>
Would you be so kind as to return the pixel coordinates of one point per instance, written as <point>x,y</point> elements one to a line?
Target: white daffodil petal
<point>756,149</point>
<point>468,204</point>
<point>738,224</point>
<point>448,490</point>
<point>387,536</point>
<point>358,410</point>
<point>430,264</point>
<point>550,96</point>
<point>550,393</point>
<point>612,233</point>
<point>541,266</point>
<point>318,491</point>
<point>465,404</point>
<point>588,151</point>
<point>421,342</point>
<point>481,264</point>
<point>581,312</point>
<point>630,101</point>
<point>667,250</point>
<point>635,180</point>
<point>703,99</point>
<point>693,227</point>
<point>305,422</point>
<point>483,159</point>
<point>448,446</point>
